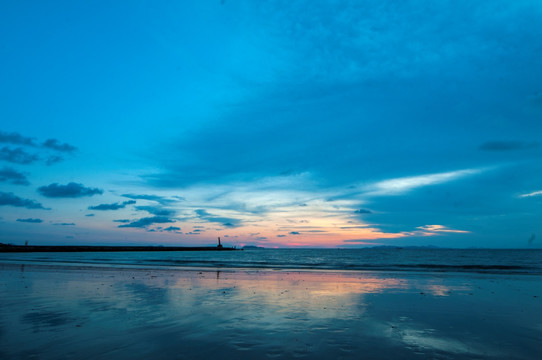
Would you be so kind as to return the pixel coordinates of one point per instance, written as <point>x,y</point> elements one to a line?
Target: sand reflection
<point>127,314</point>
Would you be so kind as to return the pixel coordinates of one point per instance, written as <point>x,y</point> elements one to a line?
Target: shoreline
<point>16,264</point>
<point>58,312</point>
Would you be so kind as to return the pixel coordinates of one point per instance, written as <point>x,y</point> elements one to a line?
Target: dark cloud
<point>159,199</point>
<point>225,221</point>
<point>294,233</point>
<point>53,159</point>
<point>30,220</point>
<point>144,222</point>
<point>89,215</point>
<point>172,228</point>
<point>16,138</point>
<point>64,224</point>
<point>508,145</point>
<point>156,210</point>
<point>71,190</point>
<point>281,236</point>
<point>13,200</point>
<point>17,156</point>
<point>124,221</point>
<point>8,174</point>
<point>363,211</point>
<point>114,206</point>
<point>54,144</point>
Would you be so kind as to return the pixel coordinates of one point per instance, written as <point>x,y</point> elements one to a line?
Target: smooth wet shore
<point>55,312</point>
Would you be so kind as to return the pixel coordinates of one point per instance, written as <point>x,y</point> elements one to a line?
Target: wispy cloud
<point>13,200</point>
<point>115,206</point>
<point>147,221</point>
<point>53,159</point>
<point>224,221</point>
<point>159,199</point>
<point>54,144</point>
<point>71,190</point>
<point>156,210</point>
<point>402,185</point>
<point>363,211</point>
<point>441,229</point>
<point>534,193</point>
<point>172,228</point>
<point>30,220</point>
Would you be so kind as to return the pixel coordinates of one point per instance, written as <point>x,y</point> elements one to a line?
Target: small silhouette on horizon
<point>219,244</point>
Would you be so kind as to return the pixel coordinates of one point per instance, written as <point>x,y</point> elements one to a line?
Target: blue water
<point>526,261</point>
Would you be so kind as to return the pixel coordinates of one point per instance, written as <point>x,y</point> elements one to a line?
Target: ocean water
<point>493,261</point>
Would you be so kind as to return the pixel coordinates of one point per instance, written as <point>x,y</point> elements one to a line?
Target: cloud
<point>534,193</point>
<point>156,210</point>
<point>20,156</point>
<point>440,228</point>
<point>159,199</point>
<point>89,215</point>
<point>124,221</point>
<point>172,228</point>
<point>16,138</point>
<point>363,211</point>
<point>225,221</point>
<point>71,190</point>
<point>64,224</point>
<point>114,206</point>
<point>144,222</point>
<point>54,144</point>
<point>30,220</point>
<point>508,145</point>
<point>13,200</point>
<point>53,159</point>
<point>402,185</point>
<point>294,233</point>
<point>17,156</point>
<point>8,174</point>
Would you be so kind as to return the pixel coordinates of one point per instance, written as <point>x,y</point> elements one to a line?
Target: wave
<point>491,262</point>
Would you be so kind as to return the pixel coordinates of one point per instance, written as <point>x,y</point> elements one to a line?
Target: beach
<point>83,312</point>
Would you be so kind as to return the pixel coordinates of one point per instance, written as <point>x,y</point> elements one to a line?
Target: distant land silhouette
<point>98,248</point>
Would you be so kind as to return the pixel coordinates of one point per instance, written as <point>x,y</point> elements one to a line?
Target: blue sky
<point>279,123</point>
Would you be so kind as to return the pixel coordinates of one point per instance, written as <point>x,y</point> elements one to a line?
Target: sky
<point>271,123</point>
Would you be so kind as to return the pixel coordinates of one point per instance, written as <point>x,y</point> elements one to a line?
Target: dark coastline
<point>79,248</point>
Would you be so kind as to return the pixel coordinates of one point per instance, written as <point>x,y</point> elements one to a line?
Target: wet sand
<point>103,313</point>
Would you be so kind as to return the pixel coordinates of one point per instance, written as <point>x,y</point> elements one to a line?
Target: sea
<point>491,261</point>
